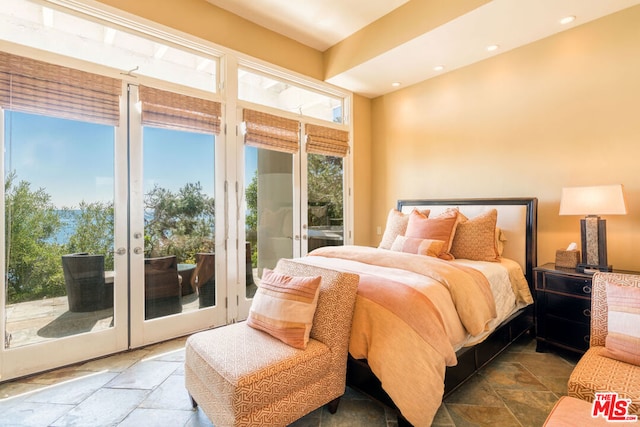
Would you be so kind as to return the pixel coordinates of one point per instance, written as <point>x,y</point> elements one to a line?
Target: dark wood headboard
<point>517,217</point>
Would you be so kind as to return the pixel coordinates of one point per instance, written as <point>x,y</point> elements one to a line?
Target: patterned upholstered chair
<point>596,372</point>
<point>241,376</point>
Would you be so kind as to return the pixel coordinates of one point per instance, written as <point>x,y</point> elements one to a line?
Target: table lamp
<point>592,202</point>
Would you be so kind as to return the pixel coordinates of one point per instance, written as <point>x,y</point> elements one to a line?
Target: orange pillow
<point>441,227</point>
<point>284,306</point>
<point>413,245</point>
<point>475,238</point>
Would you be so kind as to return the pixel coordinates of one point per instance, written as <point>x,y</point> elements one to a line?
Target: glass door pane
<point>59,218</point>
<point>65,287</point>
<point>179,221</point>
<point>325,195</point>
<point>269,215</point>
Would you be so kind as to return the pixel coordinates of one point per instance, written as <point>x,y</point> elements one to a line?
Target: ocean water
<point>68,220</point>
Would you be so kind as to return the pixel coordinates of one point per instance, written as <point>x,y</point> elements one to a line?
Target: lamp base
<point>593,233</point>
<point>590,269</point>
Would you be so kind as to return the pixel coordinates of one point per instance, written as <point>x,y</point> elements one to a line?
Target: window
<point>276,92</point>
<point>36,25</point>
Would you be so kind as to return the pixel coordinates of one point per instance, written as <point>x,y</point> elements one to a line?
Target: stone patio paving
<point>47,319</point>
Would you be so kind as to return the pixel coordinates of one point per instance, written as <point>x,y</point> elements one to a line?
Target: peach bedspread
<point>408,346</point>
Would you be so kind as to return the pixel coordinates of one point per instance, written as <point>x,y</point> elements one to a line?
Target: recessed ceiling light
<point>567,19</point>
<point>438,68</point>
<point>492,47</point>
<point>395,84</point>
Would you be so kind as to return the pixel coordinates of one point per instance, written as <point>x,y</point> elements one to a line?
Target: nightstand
<point>563,308</point>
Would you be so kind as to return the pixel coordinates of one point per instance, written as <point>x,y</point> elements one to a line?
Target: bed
<point>462,311</point>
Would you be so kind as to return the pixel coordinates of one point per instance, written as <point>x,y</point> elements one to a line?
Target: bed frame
<point>517,217</point>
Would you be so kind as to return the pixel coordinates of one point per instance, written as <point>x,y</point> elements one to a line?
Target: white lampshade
<point>597,200</point>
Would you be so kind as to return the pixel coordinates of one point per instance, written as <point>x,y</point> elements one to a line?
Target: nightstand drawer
<point>567,284</point>
<point>576,309</point>
<point>567,332</point>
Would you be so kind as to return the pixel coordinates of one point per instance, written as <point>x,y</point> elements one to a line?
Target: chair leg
<point>194,404</point>
<point>333,405</point>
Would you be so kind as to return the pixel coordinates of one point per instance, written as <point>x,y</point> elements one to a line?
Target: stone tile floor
<point>145,387</point>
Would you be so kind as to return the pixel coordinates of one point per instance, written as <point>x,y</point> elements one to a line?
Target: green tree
<point>251,196</point>
<point>251,218</point>
<point>325,183</point>
<point>180,224</point>
<point>33,262</point>
<point>93,230</point>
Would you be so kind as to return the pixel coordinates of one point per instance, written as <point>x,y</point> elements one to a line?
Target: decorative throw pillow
<point>475,238</point>
<point>417,246</point>
<point>623,323</point>
<point>284,306</point>
<point>441,227</point>
<point>396,226</point>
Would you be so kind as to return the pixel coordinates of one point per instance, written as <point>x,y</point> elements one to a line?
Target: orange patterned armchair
<point>615,299</point>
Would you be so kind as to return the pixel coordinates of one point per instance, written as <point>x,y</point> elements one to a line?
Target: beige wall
<point>564,111</point>
<point>362,172</point>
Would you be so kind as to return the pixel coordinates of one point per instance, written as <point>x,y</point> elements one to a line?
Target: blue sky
<point>74,161</point>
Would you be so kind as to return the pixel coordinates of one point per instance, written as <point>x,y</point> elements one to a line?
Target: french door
<point>65,213</point>
<point>293,199</point>
<point>177,256</point>
<point>110,236</point>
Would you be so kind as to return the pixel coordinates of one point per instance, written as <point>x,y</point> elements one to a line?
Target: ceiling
<point>461,41</point>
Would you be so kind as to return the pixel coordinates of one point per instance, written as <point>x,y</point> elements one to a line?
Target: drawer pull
<point>586,338</point>
<point>586,289</point>
<point>586,312</point>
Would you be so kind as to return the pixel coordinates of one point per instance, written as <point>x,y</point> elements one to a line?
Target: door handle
<point>138,250</point>
<point>121,251</point>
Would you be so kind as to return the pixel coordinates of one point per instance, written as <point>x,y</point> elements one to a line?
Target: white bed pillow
<point>396,226</point>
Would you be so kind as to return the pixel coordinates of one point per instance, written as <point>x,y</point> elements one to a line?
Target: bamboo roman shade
<point>271,132</point>
<point>171,110</point>
<point>37,87</point>
<point>327,141</point>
